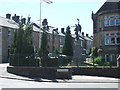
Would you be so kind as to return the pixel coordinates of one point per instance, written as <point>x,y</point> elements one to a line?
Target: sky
<point>59,14</point>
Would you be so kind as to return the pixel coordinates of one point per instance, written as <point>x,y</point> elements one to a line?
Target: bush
<point>53,62</point>
<point>99,60</point>
<point>113,63</point>
<point>64,60</point>
<point>19,60</point>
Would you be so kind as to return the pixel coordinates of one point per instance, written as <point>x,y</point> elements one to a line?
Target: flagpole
<point>40,24</point>
<point>40,33</point>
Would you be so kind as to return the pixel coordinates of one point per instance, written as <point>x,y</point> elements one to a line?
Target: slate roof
<point>108,6</point>
<point>8,23</point>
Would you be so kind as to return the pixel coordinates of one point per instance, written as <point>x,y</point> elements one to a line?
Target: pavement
<point>75,78</point>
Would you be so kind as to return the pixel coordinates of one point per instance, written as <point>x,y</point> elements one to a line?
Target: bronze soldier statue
<point>77,30</point>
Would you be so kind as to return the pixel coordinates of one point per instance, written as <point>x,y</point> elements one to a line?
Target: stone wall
<point>97,71</point>
<point>64,73</point>
<point>42,72</point>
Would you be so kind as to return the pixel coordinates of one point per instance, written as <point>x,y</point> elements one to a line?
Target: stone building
<point>106,30</point>
<point>7,27</point>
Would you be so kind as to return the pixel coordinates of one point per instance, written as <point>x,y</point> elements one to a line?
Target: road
<point>12,81</point>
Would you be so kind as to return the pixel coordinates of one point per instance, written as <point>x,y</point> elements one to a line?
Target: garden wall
<point>64,73</point>
<point>97,71</point>
<point>42,72</point>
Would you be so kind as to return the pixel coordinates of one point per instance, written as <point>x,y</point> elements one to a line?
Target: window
<point>9,35</point>
<point>111,57</point>
<point>106,23</point>
<point>101,23</point>
<point>112,34</point>
<point>106,34</point>
<point>118,34</point>
<point>106,17</point>
<point>117,22</point>
<point>118,40</point>
<point>112,22</point>
<point>113,40</point>
<point>81,43</point>
<point>106,57</point>
<point>60,40</point>
<point>106,41</point>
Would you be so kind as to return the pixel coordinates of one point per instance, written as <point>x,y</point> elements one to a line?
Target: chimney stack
<point>8,16</point>
<point>23,20</point>
<point>82,33</point>
<point>86,35</point>
<point>62,30</point>
<point>16,18</point>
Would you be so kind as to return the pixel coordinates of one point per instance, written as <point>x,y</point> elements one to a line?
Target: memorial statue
<point>77,30</point>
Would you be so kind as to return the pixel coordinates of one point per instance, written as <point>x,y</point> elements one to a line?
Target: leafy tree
<point>68,45</point>
<point>94,52</point>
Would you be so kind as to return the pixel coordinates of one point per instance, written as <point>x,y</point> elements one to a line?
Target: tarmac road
<point>8,80</point>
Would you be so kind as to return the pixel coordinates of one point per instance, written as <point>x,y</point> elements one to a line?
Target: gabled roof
<point>108,6</point>
<point>8,23</point>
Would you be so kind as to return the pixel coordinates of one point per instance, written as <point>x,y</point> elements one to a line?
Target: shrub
<point>99,60</point>
<point>52,62</point>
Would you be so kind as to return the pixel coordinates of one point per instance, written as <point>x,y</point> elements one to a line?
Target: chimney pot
<point>62,30</point>
<point>23,20</point>
<point>87,35</point>
<point>82,33</point>
<point>8,16</point>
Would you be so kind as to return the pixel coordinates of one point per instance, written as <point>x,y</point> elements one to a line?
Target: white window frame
<point>107,41</point>
<point>117,22</point>
<point>106,57</point>
<point>112,22</point>
<point>106,23</point>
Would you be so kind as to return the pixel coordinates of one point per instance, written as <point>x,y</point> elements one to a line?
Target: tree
<point>27,42</point>
<point>43,52</point>
<point>94,52</point>
<point>17,46</point>
<point>22,50</point>
<point>68,45</point>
